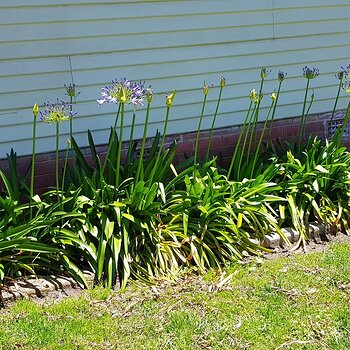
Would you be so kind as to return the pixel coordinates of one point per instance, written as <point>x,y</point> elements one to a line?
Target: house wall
<point>45,44</point>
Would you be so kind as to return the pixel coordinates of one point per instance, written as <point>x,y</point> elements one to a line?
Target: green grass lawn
<point>299,302</point>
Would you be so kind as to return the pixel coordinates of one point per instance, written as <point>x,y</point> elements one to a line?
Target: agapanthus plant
<point>122,92</point>
<point>56,113</point>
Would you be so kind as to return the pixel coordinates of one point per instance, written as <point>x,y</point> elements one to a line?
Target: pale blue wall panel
<point>44,44</point>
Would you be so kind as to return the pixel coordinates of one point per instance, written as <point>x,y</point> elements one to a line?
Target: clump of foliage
<point>144,217</point>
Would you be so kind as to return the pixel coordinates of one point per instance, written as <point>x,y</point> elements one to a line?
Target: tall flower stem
<point>238,143</point>
<point>131,136</point>
<point>222,85</point>
<point>257,150</point>
<point>274,109</point>
<point>35,113</point>
<point>120,145</point>
<point>65,165</point>
<point>71,120</point>
<point>169,103</point>
<point>57,146</point>
<point>338,136</point>
<point>303,119</point>
<point>243,148</point>
<point>335,104</point>
<point>142,151</point>
<point>111,140</point>
<point>199,127</point>
<point>256,116</point>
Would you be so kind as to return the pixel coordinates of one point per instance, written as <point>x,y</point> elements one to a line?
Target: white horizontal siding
<point>170,45</point>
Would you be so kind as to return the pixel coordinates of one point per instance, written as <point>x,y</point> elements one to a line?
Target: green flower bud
<point>36,110</point>
<point>170,98</point>
<point>273,96</point>
<point>253,95</point>
<point>149,95</point>
<point>264,72</point>
<point>222,82</point>
<point>123,98</point>
<point>205,89</point>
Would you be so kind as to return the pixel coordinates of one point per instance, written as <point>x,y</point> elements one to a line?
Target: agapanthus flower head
<point>123,91</point>
<point>264,72</point>
<point>149,94</point>
<point>281,76</point>
<point>346,87</point>
<point>169,99</point>
<point>222,82</point>
<point>57,112</point>
<point>310,73</point>
<point>70,90</point>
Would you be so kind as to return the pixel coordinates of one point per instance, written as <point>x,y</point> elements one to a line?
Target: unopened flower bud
<point>253,95</point>
<point>273,96</point>
<point>222,82</point>
<point>36,110</point>
<point>264,72</point>
<point>205,89</point>
<point>149,95</point>
<point>170,98</point>
<point>281,76</point>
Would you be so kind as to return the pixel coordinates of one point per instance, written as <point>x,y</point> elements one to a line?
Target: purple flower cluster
<point>70,90</point>
<point>281,76</point>
<point>57,112</point>
<point>310,73</point>
<point>123,91</point>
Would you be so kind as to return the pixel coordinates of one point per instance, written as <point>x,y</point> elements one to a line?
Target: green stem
<point>257,150</point>
<point>120,145</point>
<point>338,136</point>
<point>32,169</point>
<point>240,161</point>
<point>161,145</point>
<point>143,144</point>
<point>131,136</point>
<point>274,109</point>
<point>57,145</point>
<point>65,166</point>
<point>71,120</point>
<point>302,120</point>
<point>256,118</point>
<point>198,132</point>
<point>238,143</point>
<point>213,123</point>
<point>111,141</point>
<point>335,105</point>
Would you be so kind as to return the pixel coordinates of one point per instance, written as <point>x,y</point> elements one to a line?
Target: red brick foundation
<point>223,142</point>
